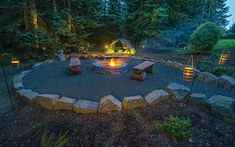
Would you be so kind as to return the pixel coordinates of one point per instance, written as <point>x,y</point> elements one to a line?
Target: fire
<point>114,63</point>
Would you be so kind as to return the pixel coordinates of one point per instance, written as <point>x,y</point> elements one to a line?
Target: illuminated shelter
<point>120,46</point>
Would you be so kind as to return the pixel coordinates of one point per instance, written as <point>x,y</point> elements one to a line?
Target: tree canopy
<point>98,22</point>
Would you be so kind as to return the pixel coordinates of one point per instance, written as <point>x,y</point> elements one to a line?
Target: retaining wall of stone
<point>222,105</point>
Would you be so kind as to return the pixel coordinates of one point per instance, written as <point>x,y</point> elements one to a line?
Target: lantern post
<point>15,62</point>
<point>224,57</point>
<point>190,73</point>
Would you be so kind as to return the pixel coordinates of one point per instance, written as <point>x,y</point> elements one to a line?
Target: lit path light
<point>15,62</point>
<point>188,71</point>
<point>224,57</point>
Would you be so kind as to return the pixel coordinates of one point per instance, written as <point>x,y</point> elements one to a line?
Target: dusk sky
<point>231,4</point>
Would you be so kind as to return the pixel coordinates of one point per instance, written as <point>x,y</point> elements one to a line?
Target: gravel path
<point>54,79</point>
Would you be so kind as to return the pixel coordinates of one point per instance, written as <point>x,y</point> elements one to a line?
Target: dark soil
<point>25,127</point>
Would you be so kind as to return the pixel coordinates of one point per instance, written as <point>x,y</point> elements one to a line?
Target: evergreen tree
<point>143,17</point>
<point>231,32</point>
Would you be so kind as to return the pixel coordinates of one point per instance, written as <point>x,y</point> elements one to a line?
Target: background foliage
<point>56,24</point>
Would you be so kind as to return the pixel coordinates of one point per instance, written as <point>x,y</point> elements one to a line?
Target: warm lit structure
<point>224,57</point>
<point>15,61</point>
<point>125,49</point>
<point>188,71</point>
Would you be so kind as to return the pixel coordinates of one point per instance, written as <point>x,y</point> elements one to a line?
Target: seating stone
<point>85,106</point>
<point>222,105</point>
<point>109,104</point>
<point>47,100</point>
<point>132,102</point>
<point>64,103</point>
<point>157,96</point>
<point>177,91</point>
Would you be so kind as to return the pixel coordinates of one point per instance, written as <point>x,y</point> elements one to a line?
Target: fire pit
<point>112,66</point>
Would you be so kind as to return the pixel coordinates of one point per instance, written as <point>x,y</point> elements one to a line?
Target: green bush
<point>204,37</point>
<point>176,127</point>
<point>49,141</point>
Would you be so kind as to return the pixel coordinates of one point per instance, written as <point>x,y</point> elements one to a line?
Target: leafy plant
<point>176,127</point>
<point>223,69</point>
<point>49,141</point>
<point>204,37</point>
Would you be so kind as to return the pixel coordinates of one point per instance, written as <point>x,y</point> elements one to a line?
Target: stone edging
<point>223,81</point>
<point>222,105</point>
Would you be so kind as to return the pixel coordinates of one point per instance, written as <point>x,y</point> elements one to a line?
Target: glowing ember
<point>111,66</point>
<point>112,62</point>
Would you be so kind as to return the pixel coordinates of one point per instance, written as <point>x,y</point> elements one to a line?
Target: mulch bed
<point>25,127</point>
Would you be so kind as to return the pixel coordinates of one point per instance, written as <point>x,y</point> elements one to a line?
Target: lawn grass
<point>224,43</point>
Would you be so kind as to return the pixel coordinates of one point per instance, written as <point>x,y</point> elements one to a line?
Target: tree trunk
<point>34,14</point>
<point>69,17</point>
<point>54,6</point>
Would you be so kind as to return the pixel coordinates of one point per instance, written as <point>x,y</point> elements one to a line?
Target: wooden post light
<point>188,71</point>
<point>224,57</point>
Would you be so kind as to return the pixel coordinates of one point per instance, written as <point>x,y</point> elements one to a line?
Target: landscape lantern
<point>188,71</point>
<point>15,62</point>
<point>224,57</point>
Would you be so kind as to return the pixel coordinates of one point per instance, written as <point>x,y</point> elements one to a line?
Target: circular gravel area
<point>54,79</point>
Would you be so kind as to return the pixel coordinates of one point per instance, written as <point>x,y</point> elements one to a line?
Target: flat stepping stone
<point>157,96</point>
<point>47,100</point>
<point>132,102</point>
<point>85,106</point>
<point>227,82</point>
<point>222,105</point>
<point>198,98</point>
<point>109,104</point>
<point>64,103</point>
<point>177,91</point>
<point>27,95</point>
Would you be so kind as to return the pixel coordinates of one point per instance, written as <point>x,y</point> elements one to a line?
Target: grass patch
<point>176,127</point>
<point>132,112</point>
<point>50,141</point>
<point>224,43</point>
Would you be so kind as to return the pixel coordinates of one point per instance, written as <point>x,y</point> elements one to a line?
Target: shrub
<point>49,141</point>
<point>176,127</point>
<point>204,37</point>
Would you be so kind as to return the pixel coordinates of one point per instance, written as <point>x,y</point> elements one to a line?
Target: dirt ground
<point>25,127</point>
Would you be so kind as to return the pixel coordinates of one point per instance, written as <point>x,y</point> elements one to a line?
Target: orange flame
<point>114,63</point>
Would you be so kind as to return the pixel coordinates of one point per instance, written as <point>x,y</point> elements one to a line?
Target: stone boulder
<point>177,91</point>
<point>64,103</point>
<point>27,95</point>
<point>18,86</point>
<point>132,102</point>
<point>157,96</point>
<point>109,104</point>
<point>222,105</point>
<point>227,82</point>
<point>47,100</point>
<point>198,98</point>
<point>208,78</point>
<point>85,106</point>
<point>17,81</point>
<point>177,65</point>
